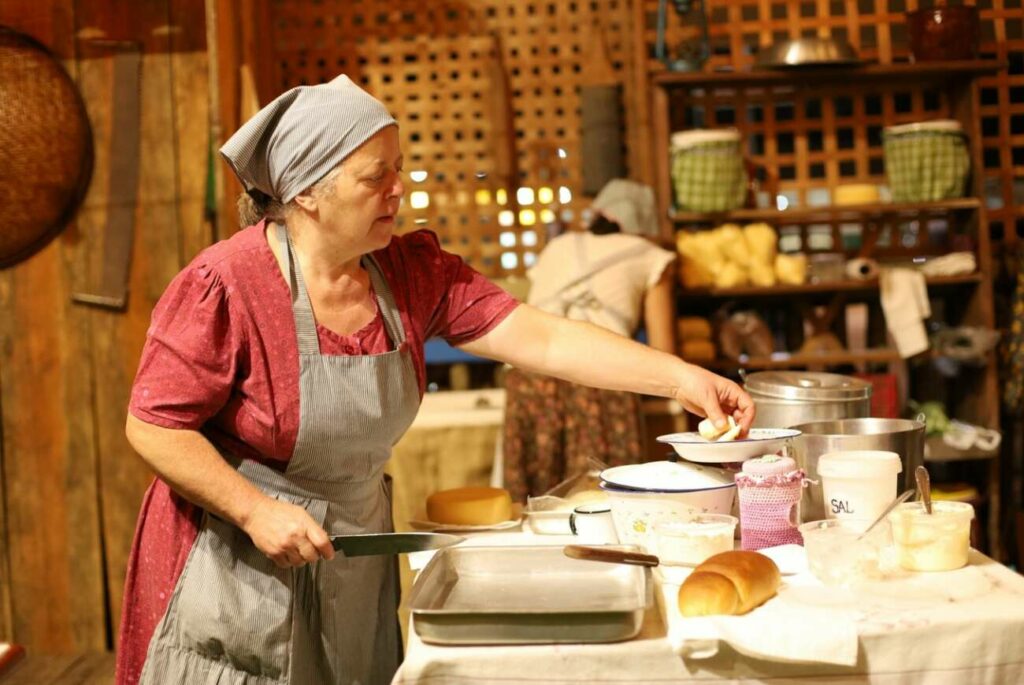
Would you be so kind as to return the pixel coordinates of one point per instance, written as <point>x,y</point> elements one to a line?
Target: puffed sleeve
<point>191,357</point>
<point>464,304</point>
<point>657,260</point>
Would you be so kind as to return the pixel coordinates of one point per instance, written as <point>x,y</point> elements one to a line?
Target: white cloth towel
<point>952,264</point>
<point>905,304</point>
<point>802,624</point>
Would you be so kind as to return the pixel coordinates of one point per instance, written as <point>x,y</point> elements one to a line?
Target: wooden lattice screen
<point>811,164</point>
<point>486,93</point>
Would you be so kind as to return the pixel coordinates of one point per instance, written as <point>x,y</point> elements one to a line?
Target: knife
<point>611,556</point>
<point>391,543</point>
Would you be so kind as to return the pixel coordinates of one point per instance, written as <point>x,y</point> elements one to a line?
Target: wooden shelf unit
<point>830,213</point>
<point>820,128</point>
<point>785,360</point>
<point>784,290</point>
<point>904,71</point>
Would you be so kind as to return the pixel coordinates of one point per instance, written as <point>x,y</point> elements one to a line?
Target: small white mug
<point>593,524</point>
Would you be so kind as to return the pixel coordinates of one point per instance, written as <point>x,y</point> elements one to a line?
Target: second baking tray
<point>522,595</point>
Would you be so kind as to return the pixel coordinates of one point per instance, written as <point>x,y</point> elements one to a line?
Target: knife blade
<point>391,543</point>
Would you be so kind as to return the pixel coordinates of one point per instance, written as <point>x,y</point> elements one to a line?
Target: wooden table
<point>965,637</point>
<point>73,669</point>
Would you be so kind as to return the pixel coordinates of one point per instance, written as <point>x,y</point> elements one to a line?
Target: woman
<point>609,276</point>
<point>280,367</point>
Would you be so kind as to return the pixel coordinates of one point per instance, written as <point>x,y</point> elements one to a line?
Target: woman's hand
<point>708,394</point>
<point>287,534</point>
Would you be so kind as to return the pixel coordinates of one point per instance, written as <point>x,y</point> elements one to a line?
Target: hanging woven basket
<point>46,152</point>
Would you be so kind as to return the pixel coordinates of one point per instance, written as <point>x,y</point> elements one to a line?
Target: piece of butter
<point>709,432</point>
<point>472,506</point>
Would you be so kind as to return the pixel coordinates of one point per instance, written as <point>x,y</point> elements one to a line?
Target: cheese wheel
<point>855,194</point>
<point>470,506</point>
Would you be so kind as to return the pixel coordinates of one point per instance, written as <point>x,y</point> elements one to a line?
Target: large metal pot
<point>787,398</point>
<point>902,436</point>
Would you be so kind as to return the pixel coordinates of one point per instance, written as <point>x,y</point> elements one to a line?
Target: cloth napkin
<point>905,303</point>
<point>804,622</point>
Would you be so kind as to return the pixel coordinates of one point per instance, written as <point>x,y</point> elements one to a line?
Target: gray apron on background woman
<point>237,618</point>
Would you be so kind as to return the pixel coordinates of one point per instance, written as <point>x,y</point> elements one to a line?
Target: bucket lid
<point>699,136</point>
<point>859,464</point>
<point>934,126</point>
<point>807,386</point>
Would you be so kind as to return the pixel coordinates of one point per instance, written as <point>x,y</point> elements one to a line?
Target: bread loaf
<point>730,583</point>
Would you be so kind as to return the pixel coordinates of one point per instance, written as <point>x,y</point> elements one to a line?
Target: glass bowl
<point>835,555</point>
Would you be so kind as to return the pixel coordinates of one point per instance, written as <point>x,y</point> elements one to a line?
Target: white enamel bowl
<point>760,441</point>
<point>635,512</point>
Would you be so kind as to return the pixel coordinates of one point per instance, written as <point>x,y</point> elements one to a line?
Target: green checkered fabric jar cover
<point>924,166</point>
<point>709,177</point>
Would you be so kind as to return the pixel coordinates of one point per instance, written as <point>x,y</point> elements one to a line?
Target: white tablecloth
<point>959,627</point>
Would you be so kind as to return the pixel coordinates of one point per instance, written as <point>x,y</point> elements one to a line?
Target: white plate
<point>667,476</point>
<point>759,441</point>
<point>455,528</point>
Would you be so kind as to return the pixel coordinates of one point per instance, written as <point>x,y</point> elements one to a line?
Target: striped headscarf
<point>295,140</point>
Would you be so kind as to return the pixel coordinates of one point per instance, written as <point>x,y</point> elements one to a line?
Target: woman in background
<point>612,276</point>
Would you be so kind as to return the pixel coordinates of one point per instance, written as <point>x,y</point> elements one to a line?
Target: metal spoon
<point>924,484</point>
<point>899,500</point>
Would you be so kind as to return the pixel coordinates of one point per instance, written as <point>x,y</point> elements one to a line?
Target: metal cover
<point>807,386</point>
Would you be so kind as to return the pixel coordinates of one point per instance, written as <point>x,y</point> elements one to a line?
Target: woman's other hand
<point>287,534</point>
<point>708,394</point>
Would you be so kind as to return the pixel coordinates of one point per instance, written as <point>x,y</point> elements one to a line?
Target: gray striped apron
<point>235,617</point>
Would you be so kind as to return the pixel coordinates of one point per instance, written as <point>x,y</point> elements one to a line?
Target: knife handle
<point>611,556</point>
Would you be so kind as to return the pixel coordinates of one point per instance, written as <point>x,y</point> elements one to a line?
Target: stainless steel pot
<point>902,436</point>
<point>787,398</point>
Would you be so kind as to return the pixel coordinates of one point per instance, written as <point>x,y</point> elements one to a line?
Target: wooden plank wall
<point>72,484</point>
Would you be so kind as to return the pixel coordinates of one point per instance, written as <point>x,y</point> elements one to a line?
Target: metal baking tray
<point>524,595</point>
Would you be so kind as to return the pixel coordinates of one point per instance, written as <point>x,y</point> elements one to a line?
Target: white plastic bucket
<point>858,484</point>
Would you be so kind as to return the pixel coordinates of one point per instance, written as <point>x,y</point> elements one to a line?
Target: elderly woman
<point>280,367</point>
<point>612,276</point>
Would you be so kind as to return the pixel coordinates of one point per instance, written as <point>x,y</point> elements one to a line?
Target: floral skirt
<point>552,427</point>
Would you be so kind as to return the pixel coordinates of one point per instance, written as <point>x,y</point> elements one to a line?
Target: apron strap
<point>302,309</point>
<point>305,323</point>
<point>585,298</point>
<point>385,301</point>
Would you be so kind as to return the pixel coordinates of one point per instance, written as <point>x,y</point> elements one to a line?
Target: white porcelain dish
<point>667,476</point>
<point>759,441</point>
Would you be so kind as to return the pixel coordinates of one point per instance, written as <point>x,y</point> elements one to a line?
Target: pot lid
<point>807,386</point>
